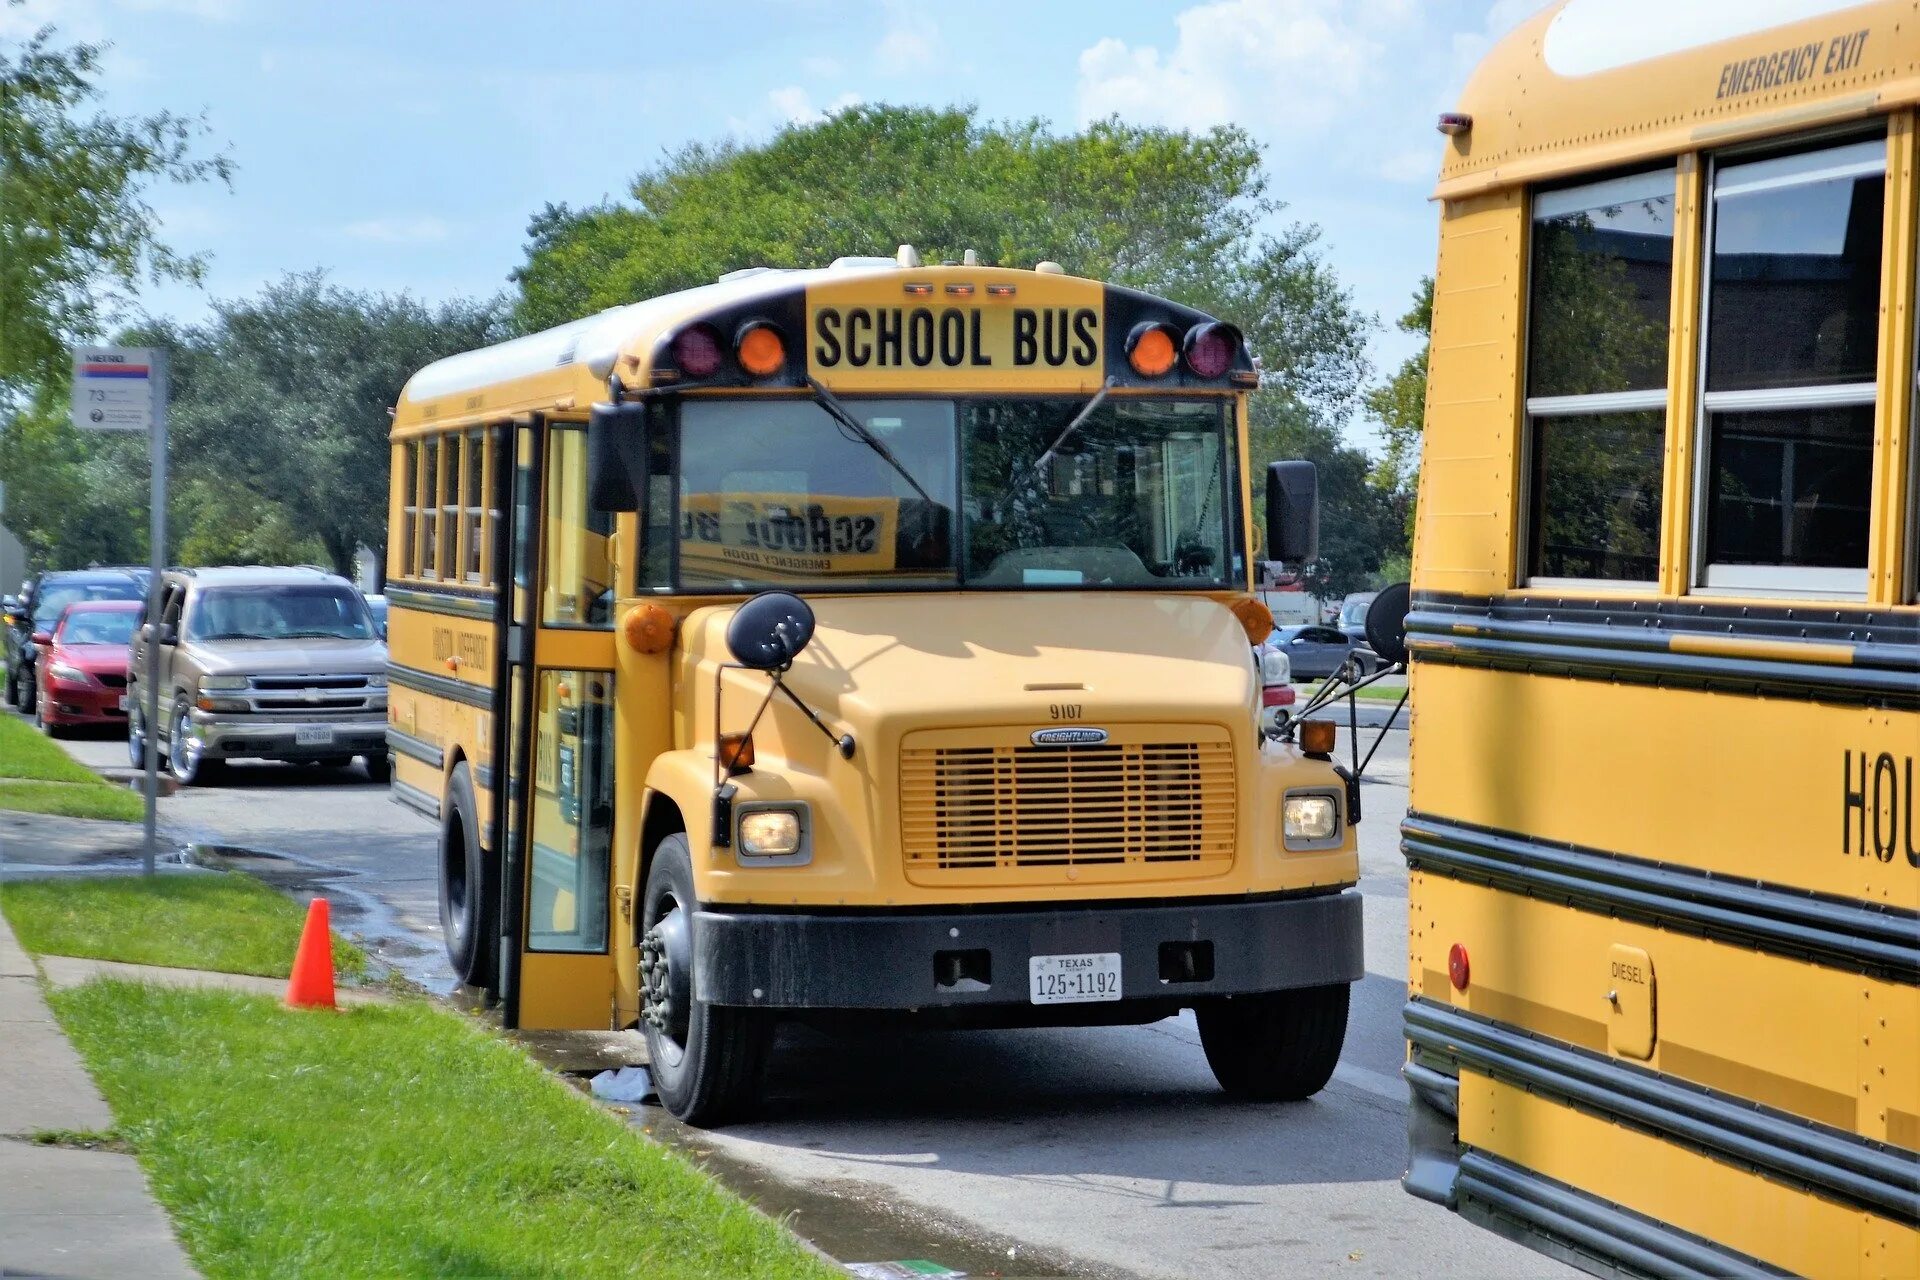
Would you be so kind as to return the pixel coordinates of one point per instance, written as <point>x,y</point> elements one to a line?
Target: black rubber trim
<point>474,695</point>
<point>415,749</point>
<point>414,798</point>
<point>1842,1166</point>
<point>1872,938</point>
<point>1632,1242</point>
<point>1632,641</point>
<point>887,961</point>
<point>482,776</point>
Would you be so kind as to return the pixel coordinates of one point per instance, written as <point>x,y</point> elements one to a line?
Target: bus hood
<point>894,663</point>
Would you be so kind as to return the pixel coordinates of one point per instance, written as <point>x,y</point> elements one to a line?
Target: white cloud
<point>794,105</point>
<point>820,65</point>
<point>1252,62</point>
<point>1415,165</point>
<point>398,230</point>
<point>910,41</point>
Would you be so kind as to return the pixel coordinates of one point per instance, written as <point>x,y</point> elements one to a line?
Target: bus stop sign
<point>114,388</point>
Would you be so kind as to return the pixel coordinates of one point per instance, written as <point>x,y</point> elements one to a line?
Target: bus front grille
<point>1015,813</point>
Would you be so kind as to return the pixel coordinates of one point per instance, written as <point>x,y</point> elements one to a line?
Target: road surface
<point>1103,1152</point>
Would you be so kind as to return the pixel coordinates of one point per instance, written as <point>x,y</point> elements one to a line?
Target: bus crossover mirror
<point>769,631</point>
<point>1293,512</point>
<point>1386,624</point>
<point>616,456</point>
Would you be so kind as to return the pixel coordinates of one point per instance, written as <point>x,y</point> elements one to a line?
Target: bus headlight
<point>773,831</point>
<point>1310,820</point>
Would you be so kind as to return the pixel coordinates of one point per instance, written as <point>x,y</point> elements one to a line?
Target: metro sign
<point>114,389</point>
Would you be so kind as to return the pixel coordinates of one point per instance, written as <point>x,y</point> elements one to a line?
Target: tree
<point>1400,403</point>
<point>1174,213</point>
<point>76,233</point>
<point>281,412</point>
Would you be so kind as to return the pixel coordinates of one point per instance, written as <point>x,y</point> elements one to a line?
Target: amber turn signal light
<point>1151,349</point>
<point>1316,737</point>
<point>760,350</point>
<point>736,751</point>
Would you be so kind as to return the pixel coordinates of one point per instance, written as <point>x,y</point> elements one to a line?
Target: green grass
<point>27,753</point>
<point>1372,693</point>
<point>395,1140</point>
<point>222,921</point>
<point>94,799</point>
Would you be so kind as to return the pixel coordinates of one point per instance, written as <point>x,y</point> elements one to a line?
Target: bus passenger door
<point>557,962</point>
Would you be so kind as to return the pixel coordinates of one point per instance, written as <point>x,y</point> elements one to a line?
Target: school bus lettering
<point>1792,66</point>
<point>791,534</point>
<point>955,338</point>
<point>472,651</point>
<point>1877,802</point>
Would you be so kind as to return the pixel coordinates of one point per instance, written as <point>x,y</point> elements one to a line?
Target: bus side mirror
<point>1293,512</point>
<point>1387,623</point>
<point>768,632</point>
<point>617,457</point>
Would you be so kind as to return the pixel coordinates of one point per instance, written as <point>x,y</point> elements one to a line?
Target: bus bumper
<point>1178,952</point>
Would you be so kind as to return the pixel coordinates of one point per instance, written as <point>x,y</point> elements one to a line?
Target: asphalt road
<point>1099,1152</point>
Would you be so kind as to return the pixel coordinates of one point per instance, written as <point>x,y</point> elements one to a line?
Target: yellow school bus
<point>873,640</point>
<point>1664,895</point>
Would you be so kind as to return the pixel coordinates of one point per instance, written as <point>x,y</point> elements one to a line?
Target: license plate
<point>121,702</point>
<point>1074,979</point>
<point>312,736</point>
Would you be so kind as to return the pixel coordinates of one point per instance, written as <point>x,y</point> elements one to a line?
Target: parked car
<point>275,664</point>
<point>1315,653</point>
<point>377,606</point>
<point>83,673</point>
<point>1353,615</point>
<point>45,598</point>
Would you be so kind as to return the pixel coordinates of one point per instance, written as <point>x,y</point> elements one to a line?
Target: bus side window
<point>429,502</point>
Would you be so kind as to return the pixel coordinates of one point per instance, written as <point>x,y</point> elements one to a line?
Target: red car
<point>83,670</point>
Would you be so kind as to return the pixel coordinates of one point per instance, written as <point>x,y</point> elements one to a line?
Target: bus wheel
<point>469,896</point>
<point>706,1059</point>
<point>1276,1047</point>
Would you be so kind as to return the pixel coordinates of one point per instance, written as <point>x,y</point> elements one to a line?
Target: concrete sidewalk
<point>64,1211</point>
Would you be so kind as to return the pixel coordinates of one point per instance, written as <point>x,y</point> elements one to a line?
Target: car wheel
<point>707,1060</point>
<point>379,767</point>
<point>136,739</point>
<point>13,685</point>
<point>29,692</point>
<point>1280,1046</point>
<point>184,760</point>
<point>469,894</point>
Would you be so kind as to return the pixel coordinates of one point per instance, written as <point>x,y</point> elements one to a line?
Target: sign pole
<point>157,537</point>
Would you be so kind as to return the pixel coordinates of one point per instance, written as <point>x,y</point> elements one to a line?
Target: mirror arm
<point>844,742</point>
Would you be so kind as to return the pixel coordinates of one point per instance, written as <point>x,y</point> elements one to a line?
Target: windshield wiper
<point>831,403</point>
<point>319,635</point>
<point>1079,419</point>
<point>236,635</point>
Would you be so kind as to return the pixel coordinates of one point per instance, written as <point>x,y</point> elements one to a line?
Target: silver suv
<point>279,664</point>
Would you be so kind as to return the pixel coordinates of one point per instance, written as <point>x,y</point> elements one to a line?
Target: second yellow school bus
<point>1664,964</point>
<point>864,641</point>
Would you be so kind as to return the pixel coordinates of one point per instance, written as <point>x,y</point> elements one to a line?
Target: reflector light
<point>1150,349</point>
<point>1210,348</point>
<point>1316,737</point>
<point>697,352</point>
<point>736,751</point>
<point>920,290</point>
<point>1458,970</point>
<point>760,350</point>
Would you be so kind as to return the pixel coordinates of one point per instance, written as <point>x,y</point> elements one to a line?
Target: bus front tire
<point>707,1060</point>
<point>1280,1046</point>
<point>469,897</point>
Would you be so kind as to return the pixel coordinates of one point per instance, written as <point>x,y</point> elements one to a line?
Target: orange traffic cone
<point>311,986</point>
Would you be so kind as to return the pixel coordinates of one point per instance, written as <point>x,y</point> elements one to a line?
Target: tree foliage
<point>77,235</point>
<point>1188,216</point>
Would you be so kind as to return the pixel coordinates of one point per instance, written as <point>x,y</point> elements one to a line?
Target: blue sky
<point>401,146</point>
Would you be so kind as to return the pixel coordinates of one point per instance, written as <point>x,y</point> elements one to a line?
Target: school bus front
<point>886,652</point>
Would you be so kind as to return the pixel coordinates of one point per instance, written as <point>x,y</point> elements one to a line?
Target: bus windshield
<point>977,492</point>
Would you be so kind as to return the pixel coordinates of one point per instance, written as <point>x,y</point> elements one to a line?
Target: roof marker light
<point>1151,350</point>
<point>760,349</point>
<point>697,351</point>
<point>960,290</point>
<point>999,291</point>
<point>918,290</point>
<point>1455,123</point>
